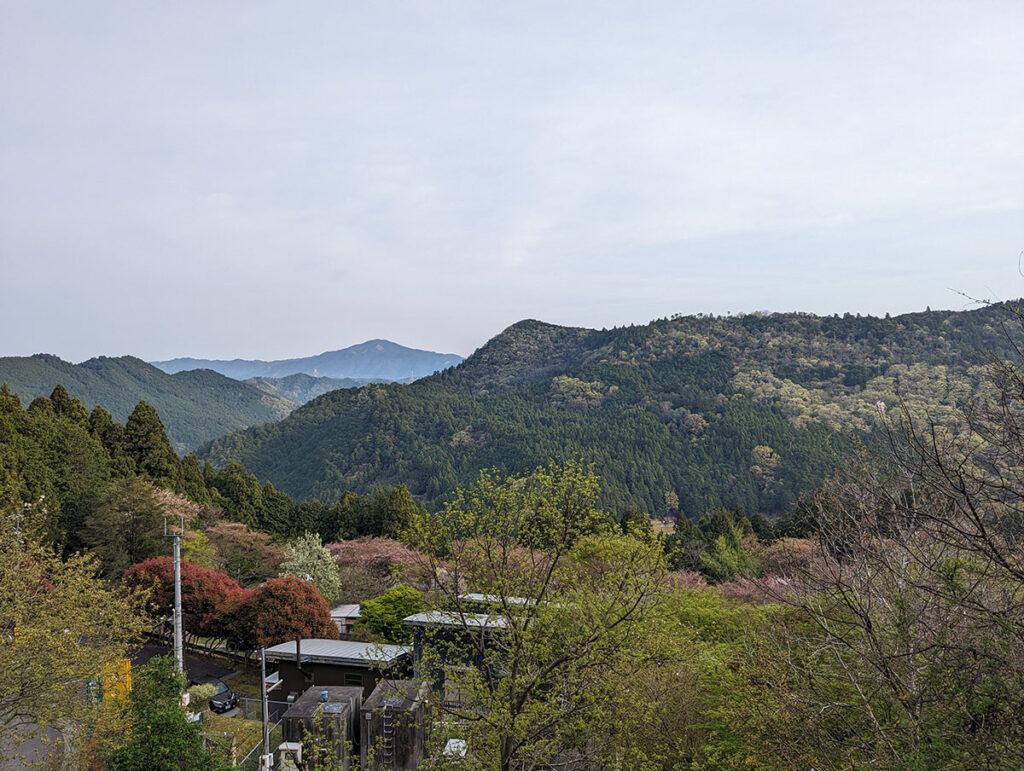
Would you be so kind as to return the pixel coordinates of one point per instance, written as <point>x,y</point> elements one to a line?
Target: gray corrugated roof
<point>495,599</point>
<point>459,620</point>
<point>345,611</point>
<point>340,652</point>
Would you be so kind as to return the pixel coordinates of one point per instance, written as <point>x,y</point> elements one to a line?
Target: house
<point>345,617</point>
<point>448,646</point>
<point>478,602</point>
<point>302,664</point>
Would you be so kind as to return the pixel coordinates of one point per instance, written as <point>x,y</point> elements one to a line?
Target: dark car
<point>224,699</point>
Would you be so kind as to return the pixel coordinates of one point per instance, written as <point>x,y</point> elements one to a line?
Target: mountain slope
<point>195,406</point>
<point>372,360</point>
<point>302,388</point>
<point>715,411</point>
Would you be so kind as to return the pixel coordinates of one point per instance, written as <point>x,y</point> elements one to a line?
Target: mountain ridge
<point>720,411</point>
<point>196,406</point>
<point>376,359</point>
<point>301,388</point>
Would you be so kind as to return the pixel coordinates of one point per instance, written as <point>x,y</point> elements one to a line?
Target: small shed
<point>302,664</point>
<point>345,617</point>
<point>327,720</point>
<point>394,726</point>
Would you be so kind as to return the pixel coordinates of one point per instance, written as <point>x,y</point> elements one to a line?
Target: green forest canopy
<point>715,412</point>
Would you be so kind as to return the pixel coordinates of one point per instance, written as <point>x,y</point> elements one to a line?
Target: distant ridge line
<point>376,359</point>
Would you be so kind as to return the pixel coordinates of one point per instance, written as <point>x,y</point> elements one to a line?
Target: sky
<point>271,180</point>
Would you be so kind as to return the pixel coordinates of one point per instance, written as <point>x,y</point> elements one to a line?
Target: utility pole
<point>267,758</point>
<point>179,656</point>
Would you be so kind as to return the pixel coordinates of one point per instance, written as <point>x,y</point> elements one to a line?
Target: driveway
<point>197,669</point>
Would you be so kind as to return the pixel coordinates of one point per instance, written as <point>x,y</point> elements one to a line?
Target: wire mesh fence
<point>251,760</point>
<point>252,710</point>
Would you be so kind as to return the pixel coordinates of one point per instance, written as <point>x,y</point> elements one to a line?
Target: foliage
<point>572,605</point>
<point>909,646</point>
<point>281,610</point>
<point>207,596</point>
<point>200,694</point>
<point>214,605</point>
<point>161,739</point>
<point>127,526</point>
<point>374,564</point>
<point>60,627</point>
<point>196,406</point>
<point>147,445</point>
<point>382,616</point>
<point>247,556</point>
<point>721,546</point>
<point>196,547</point>
<point>720,412</point>
<point>239,493</point>
<point>381,514</point>
<point>307,558</point>
<point>102,487</point>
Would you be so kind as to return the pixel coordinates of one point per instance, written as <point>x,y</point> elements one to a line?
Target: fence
<point>222,744</point>
<point>251,761</point>
<point>252,710</point>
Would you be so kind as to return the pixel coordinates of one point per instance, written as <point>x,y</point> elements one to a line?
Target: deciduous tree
<point>61,626</point>
<point>281,610</point>
<point>307,558</point>
<point>382,616</point>
<point>127,525</point>
<point>571,606</point>
<point>207,596</point>
<point>161,738</point>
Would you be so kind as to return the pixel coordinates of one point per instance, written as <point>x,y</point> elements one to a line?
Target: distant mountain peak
<point>376,359</point>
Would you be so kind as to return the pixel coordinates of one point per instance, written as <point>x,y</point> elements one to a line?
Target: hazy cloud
<point>245,179</point>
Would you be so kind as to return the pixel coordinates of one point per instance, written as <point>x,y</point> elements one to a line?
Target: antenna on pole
<point>179,657</point>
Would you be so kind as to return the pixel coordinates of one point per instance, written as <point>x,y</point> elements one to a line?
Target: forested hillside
<point>688,413</point>
<point>196,406</point>
<point>302,388</point>
<point>105,486</point>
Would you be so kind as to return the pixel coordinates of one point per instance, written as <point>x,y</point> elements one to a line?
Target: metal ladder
<point>389,736</point>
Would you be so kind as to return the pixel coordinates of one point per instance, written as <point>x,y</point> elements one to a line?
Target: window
<point>457,688</point>
<point>353,679</point>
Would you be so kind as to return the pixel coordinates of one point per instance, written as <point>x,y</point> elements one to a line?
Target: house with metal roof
<point>448,646</point>
<point>302,664</point>
<point>345,618</point>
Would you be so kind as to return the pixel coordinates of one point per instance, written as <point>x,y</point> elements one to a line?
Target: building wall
<point>316,674</point>
<point>393,730</point>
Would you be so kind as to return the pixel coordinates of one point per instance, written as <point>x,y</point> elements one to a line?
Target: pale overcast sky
<point>267,180</point>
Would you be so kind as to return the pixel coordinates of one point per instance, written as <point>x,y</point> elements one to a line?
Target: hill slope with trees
<point>684,414</point>
<point>196,406</point>
<point>302,388</point>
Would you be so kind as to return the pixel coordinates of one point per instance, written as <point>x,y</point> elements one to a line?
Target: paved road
<point>196,669</point>
<point>30,753</point>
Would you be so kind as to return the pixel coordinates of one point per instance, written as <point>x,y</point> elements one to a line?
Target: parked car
<point>224,699</point>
